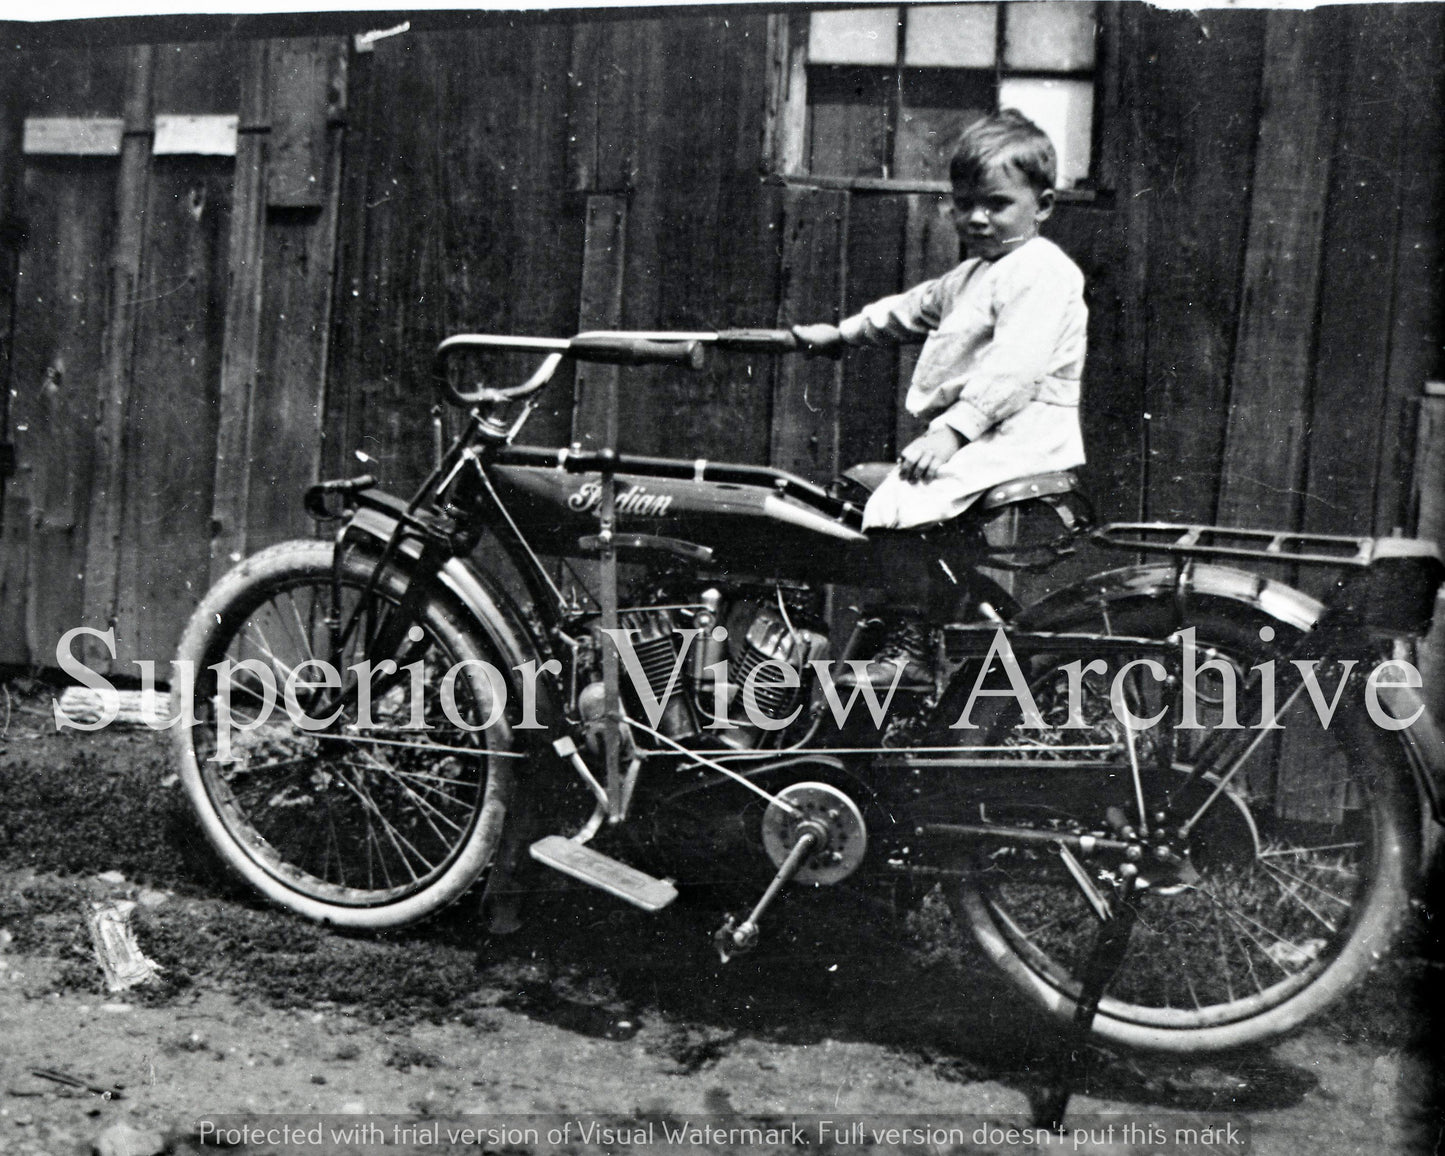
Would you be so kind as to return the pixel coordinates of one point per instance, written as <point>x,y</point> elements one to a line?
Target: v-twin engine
<point>737,683</point>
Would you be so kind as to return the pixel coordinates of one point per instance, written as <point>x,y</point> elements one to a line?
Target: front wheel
<point>357,822</point>
<point>1297,869</point>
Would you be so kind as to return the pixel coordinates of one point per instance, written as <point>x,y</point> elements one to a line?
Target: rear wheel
<point>1294,874</point>
<point>364,826</point>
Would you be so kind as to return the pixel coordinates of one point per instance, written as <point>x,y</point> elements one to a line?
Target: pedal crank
<point>734,939</point>
<point>818,838</point>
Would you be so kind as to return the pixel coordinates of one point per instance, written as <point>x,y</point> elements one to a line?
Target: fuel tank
<point>755,520</point>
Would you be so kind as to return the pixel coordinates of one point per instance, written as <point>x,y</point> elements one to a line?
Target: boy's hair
<point>1007,138</point>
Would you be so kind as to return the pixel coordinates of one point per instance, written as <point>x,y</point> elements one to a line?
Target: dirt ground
<point>591,1015</point>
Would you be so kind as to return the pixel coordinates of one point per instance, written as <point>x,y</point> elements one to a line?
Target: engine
<point>733,665</point>
<point>772,644</point>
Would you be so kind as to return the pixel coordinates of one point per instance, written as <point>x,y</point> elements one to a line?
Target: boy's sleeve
<point>902,319</point>
<point>1034,310</point>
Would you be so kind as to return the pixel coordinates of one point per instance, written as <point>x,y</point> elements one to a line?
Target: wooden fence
<point>195,335</point>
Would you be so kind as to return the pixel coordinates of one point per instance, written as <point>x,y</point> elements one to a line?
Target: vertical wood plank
<point>1266,432</point>
<point>874,261</point>
<point>242,334</point>
<point>785,132</point>
<point>348,332</point>
<point>726,275</point>
<point>86,79</point>
<point>13,529</point>
<point>198,77</point>
<point>301,77</point>
<point>805,398</point>
<point>107,488</point>
<point>702,247</point>
<point>60,319</point>
<point>625,93</point>
<point>1111,407</point>
<point>851,124</point>
<point>594,414</point>
<point>1351,412</point>
<point>1115,390</point>
<point>1429,489</point>
<point>1416,51</point>
<point>632,144</point>
<point>390,208</point>
<point>1201,92</point>
<point>584,105</point>
<point>294,336</point>
<point>163,558</point>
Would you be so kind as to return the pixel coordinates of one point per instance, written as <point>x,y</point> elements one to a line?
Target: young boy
<point>1003,348</point>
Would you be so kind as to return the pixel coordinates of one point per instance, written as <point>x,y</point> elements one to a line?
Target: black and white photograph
<point>722,578</point>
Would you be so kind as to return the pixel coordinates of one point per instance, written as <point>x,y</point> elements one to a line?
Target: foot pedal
<point>604,872</point>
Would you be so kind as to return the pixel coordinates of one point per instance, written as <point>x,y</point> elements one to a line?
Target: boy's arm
<point>904,318</point>
<point>1034,317</point>
<point>901,319</point>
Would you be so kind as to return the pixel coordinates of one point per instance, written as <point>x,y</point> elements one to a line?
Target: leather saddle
<point>1057,492</point>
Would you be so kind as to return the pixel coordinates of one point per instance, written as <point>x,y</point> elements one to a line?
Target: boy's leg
<point>905,656</point>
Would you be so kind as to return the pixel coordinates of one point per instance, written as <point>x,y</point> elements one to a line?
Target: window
<point>890,89</point>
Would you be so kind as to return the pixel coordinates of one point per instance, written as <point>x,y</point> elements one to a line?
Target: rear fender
<point>1423,743</point>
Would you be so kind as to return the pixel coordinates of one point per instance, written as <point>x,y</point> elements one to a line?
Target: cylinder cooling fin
<point>771,639</point>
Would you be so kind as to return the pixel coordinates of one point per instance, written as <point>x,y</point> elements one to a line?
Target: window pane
<point>937,104</point>
<point>952,35</point>
<point>853,36</point>
<point>848,119</point>
<point>1062,108</point>
<point>1057,35</point>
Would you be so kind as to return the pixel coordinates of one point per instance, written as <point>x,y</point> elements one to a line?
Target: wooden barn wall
<point>528,181</point>
<point>170,320</point>
<point>190,339</point>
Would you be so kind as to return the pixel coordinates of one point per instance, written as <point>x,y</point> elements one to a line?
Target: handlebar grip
<point>758,340</point>
<point>316,496</point>
<point>615,349</point>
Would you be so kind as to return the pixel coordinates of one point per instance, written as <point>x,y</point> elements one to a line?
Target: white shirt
<point>1003,355</point>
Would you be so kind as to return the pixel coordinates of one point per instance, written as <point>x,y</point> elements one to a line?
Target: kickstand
<point>1116,923</point>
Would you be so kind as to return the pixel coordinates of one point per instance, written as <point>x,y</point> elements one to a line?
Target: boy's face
<point>1000,212</point>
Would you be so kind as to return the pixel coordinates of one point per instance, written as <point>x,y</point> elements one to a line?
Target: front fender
<point>479,597</point>
<point>1424,745</point>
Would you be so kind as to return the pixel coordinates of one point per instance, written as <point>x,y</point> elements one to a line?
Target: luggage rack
<point>1271,545</point>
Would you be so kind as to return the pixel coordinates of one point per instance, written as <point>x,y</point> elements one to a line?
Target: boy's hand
<point>922,457</point>
<point>820,340</point>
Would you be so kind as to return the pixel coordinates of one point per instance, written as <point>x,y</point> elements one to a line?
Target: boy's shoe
<point>905,656</point>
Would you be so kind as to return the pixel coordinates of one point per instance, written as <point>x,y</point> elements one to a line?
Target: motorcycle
<point>1176,802</point>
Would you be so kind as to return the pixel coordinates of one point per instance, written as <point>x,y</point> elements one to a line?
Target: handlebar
<point>608,347</point>
<point>758,341</point>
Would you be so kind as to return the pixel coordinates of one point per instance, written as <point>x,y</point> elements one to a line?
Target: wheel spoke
<point>425,808</point>
<point>1302,881</point>
<point>430,748</point>
<point>1293,893</point>
<point>1225,968</point>
<point>395,837</point>
<point>245,688</point>
<point>302,630</point>
<point>332,846</point>
<point>1276,853</point>
<point>1243,923</point>
<point>264,646</point>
